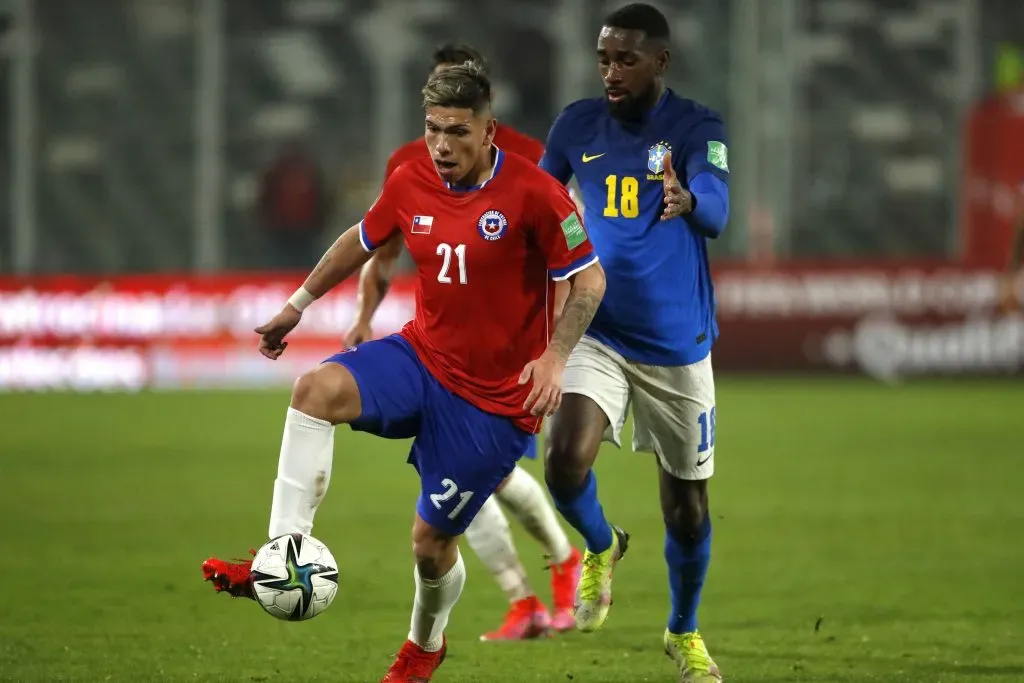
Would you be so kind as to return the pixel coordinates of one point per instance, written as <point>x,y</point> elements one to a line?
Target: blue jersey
<point>659,306</point>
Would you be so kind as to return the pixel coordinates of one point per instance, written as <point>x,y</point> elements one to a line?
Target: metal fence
<point>138,128</point>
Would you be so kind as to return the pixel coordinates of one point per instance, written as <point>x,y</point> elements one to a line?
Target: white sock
<point>526,499</point>
<point>491,539</point>
<point>303,473</point>
<point>434,601</point>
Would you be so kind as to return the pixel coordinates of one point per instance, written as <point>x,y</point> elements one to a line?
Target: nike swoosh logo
<point>589,158</point>
<point>701,462</point>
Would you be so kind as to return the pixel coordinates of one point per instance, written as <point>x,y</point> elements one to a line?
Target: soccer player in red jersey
<point>471,376</point>
<point>489,534</point>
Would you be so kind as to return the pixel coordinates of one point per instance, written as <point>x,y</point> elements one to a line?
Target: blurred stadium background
<point>141,133</point>
<point>870,433</point>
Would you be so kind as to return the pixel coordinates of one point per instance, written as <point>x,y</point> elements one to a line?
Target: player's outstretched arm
<point>340,261</point>
<point>374,282</point>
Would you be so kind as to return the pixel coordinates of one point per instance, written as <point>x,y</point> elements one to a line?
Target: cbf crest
<point>492,225</point>
<point>656,159</point>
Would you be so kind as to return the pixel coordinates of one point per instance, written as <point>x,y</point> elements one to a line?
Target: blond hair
<point>462,86</point>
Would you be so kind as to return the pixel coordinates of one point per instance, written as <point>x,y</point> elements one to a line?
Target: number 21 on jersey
<point>623,197</point>
<point>446,251</point>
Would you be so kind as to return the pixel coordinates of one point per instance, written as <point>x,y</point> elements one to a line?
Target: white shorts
<point>673,406</point>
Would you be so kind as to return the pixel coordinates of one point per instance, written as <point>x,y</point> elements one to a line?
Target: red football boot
<point>233,577</point>
<point>564,579</point>
<point>526,619</point>
<point>414,664</point>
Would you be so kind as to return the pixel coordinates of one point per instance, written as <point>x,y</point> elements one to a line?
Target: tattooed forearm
<point>579,310</point>
<point>581,305</point>
<point>340,261</point>
<point>323,264</point>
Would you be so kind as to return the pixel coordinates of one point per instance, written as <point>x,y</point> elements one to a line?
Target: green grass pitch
<point>891,517</point>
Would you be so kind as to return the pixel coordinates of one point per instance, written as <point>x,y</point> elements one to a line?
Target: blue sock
<point>583,511</point>
<point>687,566</point>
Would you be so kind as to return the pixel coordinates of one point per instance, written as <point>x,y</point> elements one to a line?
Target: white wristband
<point>301,299</point>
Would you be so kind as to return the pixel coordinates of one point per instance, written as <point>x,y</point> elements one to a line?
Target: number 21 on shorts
<point>450,491</point>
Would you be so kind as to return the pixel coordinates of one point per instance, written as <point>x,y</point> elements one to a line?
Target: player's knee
<point>685,510</point>
<point>684,521</point>
<point>566,465</point>
<point>572,444</point>
<point>434,550</point>
<point>328,393</point>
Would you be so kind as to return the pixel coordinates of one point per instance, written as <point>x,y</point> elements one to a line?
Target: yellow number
<point>610,211</point>
<point>630,197</point>
<point>628,202</point>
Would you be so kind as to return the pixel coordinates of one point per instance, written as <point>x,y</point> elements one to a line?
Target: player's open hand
<point>272,334</point>
<point>677,200</point>
<point>546,392</point>
<point>357,334</point>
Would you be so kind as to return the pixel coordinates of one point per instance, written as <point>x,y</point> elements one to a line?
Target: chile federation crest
<point>492,225</point>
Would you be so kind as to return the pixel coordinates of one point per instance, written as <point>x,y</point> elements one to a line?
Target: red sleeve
<point>381,221</point>
<point>560,231</point>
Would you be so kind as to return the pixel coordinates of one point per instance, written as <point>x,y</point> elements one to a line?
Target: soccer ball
<point>294,577</point>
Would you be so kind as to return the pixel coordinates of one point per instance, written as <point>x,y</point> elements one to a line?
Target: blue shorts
<point>461,452</point>
<point>531,448</point>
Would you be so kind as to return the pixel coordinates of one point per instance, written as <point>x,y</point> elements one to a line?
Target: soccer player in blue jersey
<point>653,170</point>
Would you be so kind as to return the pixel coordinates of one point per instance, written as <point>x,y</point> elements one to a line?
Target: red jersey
<point>506,138</point>
<point>484,258</point>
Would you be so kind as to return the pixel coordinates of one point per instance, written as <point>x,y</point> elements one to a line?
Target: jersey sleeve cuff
<point>576,266</point>
<point>366,242</point>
